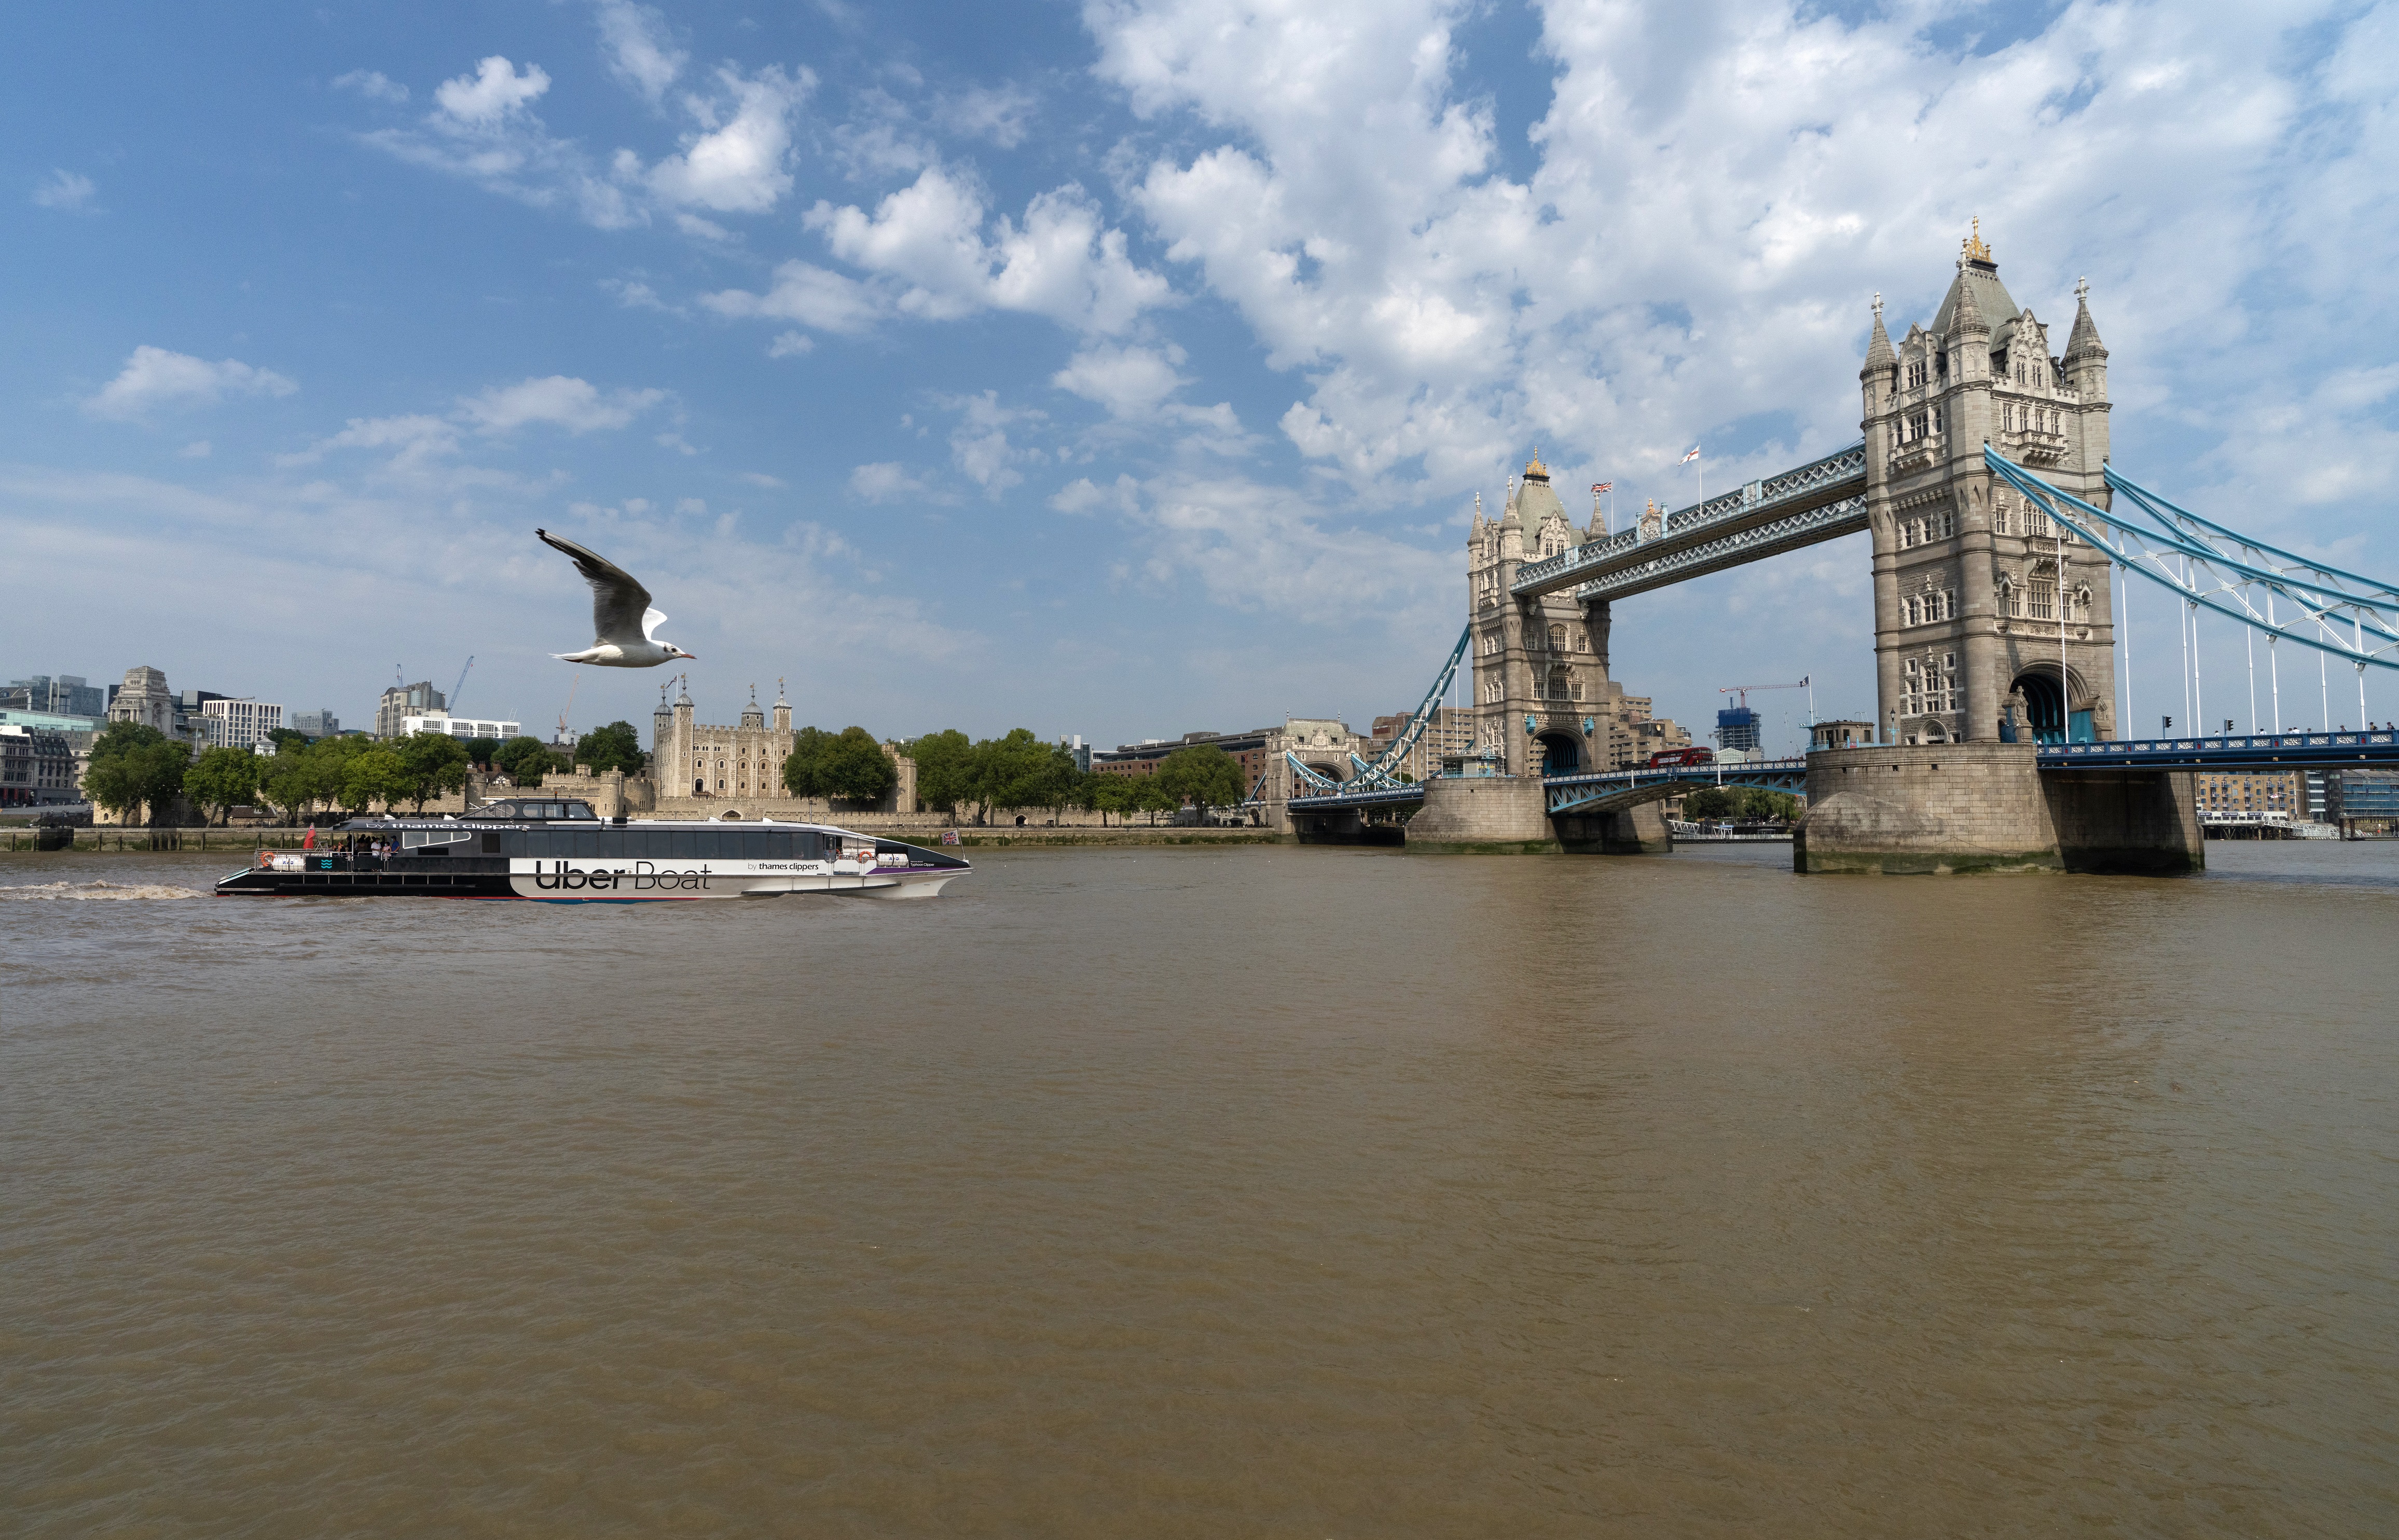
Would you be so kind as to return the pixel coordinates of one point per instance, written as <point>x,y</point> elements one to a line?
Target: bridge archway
<point>2045,704</point>
<point>1561,754</point>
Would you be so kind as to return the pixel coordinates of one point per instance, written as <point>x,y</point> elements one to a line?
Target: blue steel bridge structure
<point>2210,568</point>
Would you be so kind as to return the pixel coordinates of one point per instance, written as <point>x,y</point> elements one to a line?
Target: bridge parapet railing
<point>2378,745</point>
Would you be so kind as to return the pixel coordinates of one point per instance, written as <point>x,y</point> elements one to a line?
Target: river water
<point>1175,1192</point>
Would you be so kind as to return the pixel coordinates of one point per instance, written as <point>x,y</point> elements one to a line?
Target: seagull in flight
<point>621,615</point>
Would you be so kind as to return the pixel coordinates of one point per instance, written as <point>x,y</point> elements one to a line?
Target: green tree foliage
<point>1153,796</point>
<point>522,759</point>
<point>1203,775</point>
<point>854,767</point>
<point>849,765</point>
<point>945,769</point>
<point>380,775</point>
<point>1740,803</point>
<point>479,751</point>
<point>430,764</point>
<point>1105,794</point>
<point>135,766</point>
<point>615,747</point>
<point>802,767</point>
<point>221,778</point>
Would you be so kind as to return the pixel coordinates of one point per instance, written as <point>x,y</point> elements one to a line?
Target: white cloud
<point>739,163</point>
<point>927,243</point>
<point>634,294</point>
<point>641,50</point>
<point>154,376</point>
<point>804,292</point>
<point>789,345</point>
<point>492,93</point>
<point>1083,495</point>
<point>65,189</point>
<point>558,399</point>
<point>373,84</point>
<point>980,442</point>
<point>1001,114</point>
<point>884,481</point>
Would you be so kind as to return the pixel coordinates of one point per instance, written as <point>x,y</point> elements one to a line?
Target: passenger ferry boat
<point>557,850</point>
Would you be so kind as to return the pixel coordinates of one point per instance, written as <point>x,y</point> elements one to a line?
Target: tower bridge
<point>1982,474</point>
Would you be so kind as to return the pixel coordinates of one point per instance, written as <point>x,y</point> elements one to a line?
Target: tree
<point>134,765</point>
<point>615,747</point>
<point>430,764</point>
<point>222,777</point>
<point>1108,794</point>
<point>522,759</point>
<point>1151,796</point>
<point>854,766</point>
<point>377,775</point>
<point>289,781</point>
<point>945,769</point>
<point>1010,772</point>
<point>1203,775</point>
<point>804,766</point>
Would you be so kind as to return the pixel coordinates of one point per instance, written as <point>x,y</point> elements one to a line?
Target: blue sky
<point>1119,368</point>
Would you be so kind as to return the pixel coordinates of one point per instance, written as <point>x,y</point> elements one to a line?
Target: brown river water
<point>1263,1192</point>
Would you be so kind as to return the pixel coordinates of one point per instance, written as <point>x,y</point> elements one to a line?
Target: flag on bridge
<point>1694,456</point>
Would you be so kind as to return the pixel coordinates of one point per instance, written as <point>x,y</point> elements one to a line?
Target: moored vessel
<point>558,850</point>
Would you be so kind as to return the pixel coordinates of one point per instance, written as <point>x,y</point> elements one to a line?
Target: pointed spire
<point>1968,320</point>
<point>2085,342</point>
<point>1879,354</point>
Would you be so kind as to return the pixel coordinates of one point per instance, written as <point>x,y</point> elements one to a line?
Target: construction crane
<point>1739,721</point>
<point>461,685</point>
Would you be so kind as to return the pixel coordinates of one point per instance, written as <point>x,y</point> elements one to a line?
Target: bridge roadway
<point>1613,790</point>
<point>1822,500</point>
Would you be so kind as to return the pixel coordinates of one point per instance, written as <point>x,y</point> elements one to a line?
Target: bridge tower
<point>1540,659</point>
<point>1968,581</point>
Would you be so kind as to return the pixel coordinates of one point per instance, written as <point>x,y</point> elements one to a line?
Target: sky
<point>1119,368</point>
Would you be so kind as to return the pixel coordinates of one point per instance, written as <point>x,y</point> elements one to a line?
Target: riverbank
<point>111,840</point>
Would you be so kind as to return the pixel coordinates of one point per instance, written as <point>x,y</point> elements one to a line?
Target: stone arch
<point>2052,718</point>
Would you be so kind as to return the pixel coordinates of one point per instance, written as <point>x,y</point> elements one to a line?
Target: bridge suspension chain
<point>2222,570</point>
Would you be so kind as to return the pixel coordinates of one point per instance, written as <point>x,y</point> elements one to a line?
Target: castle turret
<point>2086,360</point>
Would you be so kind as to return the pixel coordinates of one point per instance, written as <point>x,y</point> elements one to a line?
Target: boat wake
<point>69,892</point>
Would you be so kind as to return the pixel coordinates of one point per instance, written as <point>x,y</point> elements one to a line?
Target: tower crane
<point>1740,720</point>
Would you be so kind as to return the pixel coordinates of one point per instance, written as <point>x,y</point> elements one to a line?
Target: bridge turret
<point>2086,360</point>
<point>1880,375</point>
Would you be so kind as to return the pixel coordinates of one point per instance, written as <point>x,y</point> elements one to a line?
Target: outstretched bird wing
<point>620,606</point>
